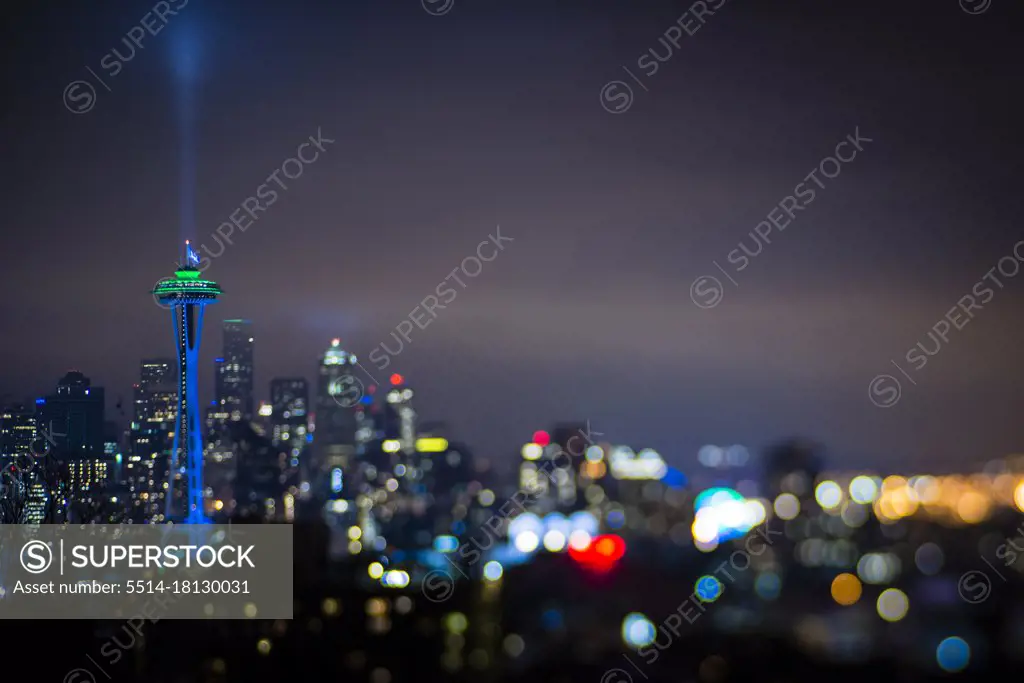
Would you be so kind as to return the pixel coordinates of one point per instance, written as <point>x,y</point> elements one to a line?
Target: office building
<point>235,372</point>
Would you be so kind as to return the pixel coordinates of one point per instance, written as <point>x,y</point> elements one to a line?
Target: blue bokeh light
<point>953,654</point>
<point>708,588</point>
<point>638,630</point>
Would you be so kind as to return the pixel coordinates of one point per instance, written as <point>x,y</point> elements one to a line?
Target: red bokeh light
<point>601,554</point>
<point>397,379</point>
<point>541,438</point>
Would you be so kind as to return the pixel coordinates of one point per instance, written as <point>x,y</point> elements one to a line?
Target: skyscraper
<point>72,420</point>
<point>73,416</point>
<point>289,399</point>
<point>399,415</point>
<point>17,431</point>
<point>338,392</point>
<point>20,445</point>
<point>235,379</point>
<point>187,295</point>
<point>152,434</point>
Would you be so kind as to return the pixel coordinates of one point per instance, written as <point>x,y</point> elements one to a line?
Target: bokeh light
<point>878,568</point>
<point>532,451</point>
<point>768,585</point>
<point>863,490</point>
<point>493,570</point>
<point>554,541</point>
<point>1018,496</point>
<point>893,604</point>
<point>527,542</point>
<point>787,506</point>
<point>579,540</point>
<point>708,588</point>
<point>972,507</point>
<point>846,589</point>
<point>953,654</point>
<point>828,494</point>
<point>929,559</point>
<point>456,622</point>
<point>638,630</point>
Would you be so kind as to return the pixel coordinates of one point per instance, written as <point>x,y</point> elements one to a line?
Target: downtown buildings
<point>57,458</point>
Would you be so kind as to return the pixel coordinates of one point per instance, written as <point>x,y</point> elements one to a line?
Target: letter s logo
<point>36,557</point>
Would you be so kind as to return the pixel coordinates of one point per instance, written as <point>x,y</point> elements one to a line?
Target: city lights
<point>532,451</point>
<point>554,541</point>
<point>431,445</point>
<point>664,439</point>
<point>863,490</point>
<point>708,588</point>
<point>828,494</point>
<point>787,506</point>
<point>602,554</point>
<point>638,630</point>
<point>846,589</point>
<point>893,604</point>
<point>647,464</point>
<point>395,578</point>
<point>527,541</point>
<point>953,654</point>
<point>493,570</point>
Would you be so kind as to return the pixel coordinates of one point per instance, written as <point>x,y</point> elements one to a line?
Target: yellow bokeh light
<point>903,500</point>
<point>892,604</point>
<point>972,507</point>
<point>928,489</point>
<point>863,490</point>
<point>376,607</point>
<point>456,622</point>
<point>1018,496</point>
<point>846,589</point>
<point>532,451</point>
<point>828,494</point>
<point>705,528</point>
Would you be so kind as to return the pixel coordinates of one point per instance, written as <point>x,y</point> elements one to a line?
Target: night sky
<point>448,125</point>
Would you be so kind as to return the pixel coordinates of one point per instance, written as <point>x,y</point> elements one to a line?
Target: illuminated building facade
<point>19,439</point>
<point>151,436</point>
<point>17,430</point>
<point>187,295</point>
<point>73,420</point>
<point>221,466</point>
<point>399,415</point>
<point>289,402</point>
<point>338,396</point>
<point>234,380</point>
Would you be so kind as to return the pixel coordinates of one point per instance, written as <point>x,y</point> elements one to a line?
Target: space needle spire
<point>187,294</point>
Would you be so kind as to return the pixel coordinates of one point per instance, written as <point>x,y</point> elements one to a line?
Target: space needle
<point>187,295</point>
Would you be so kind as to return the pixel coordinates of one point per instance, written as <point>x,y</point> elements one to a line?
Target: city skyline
<point>587,314</point>
<point>556,340</point>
